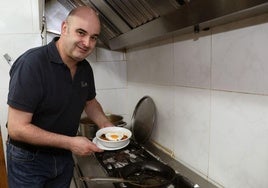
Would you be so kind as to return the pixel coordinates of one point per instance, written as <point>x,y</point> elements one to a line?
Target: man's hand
<point>82,146</point>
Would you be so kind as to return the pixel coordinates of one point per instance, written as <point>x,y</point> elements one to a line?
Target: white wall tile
<point>239,129</point>
<point>108,55</point>
<point>14,45</point>
<point>3,114</point>
<point>192,60</point>
<point>26,12</point>
<point>163,131</point>
<point>92,58</point>
<point>239,56</point>
<point>18,32</point>
<point>3,105</point>
<point>192,127</point>
<point>152,64</point>
<point>113,101</point>
<point>4,73</point>
<point>110,75</point>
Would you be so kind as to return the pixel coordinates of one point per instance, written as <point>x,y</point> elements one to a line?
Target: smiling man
<point>49,88</point>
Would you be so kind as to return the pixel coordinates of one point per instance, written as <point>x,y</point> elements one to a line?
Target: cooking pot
<point>145,174</point>
<point>88,128</point>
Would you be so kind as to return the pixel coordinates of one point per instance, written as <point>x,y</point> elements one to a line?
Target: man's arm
<point>95,112</point>
<point>21,129</point>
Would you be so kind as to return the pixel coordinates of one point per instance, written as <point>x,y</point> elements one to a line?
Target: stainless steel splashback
<point>127,23</point>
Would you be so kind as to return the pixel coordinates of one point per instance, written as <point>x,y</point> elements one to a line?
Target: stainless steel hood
<point>128,23</point>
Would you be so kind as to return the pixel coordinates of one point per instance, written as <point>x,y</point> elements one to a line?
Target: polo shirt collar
<point>53,53</point>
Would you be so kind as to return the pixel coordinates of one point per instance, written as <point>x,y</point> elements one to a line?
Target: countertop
<point>90,166</point>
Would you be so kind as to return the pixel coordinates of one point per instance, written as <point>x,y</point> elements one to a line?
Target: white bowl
<point>113,143</point>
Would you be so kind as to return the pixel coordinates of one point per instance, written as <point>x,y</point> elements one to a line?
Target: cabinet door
<point>3,174</point>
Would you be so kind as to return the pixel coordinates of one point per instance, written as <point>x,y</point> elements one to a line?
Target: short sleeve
<point>25,87</point>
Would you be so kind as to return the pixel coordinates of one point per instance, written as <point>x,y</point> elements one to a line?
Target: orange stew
<point>104,137</point>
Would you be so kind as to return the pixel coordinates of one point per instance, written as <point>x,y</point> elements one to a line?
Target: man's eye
<point>81,33</point>
<point>94,38</point>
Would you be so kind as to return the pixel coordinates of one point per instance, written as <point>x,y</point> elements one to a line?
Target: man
<point>49,88</point>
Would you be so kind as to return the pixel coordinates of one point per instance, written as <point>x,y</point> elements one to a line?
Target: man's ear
<point>63,27</point>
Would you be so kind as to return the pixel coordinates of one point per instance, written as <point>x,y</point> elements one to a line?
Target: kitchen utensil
<point>88,128</point>
<point>148,174</point>
<point>105,179</point>
<point>143,119</point>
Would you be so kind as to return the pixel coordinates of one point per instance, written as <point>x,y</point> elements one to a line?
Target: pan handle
<point>106,179</point>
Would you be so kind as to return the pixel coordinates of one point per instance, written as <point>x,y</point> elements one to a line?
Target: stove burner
<point>113,161</point>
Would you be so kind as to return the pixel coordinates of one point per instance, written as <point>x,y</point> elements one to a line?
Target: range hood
<point>128,23</point>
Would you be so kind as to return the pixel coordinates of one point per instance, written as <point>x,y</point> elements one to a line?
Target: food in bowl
<point>113,136</point>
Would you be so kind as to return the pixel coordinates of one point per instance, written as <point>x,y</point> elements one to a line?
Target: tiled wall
<point>18,32</point>
<point>211,94</point>
<point>110,69</point>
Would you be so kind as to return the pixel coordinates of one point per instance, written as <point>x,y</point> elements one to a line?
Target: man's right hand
<point>82,146</point>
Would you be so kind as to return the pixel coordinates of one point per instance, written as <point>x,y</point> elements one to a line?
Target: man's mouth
<point>83,49</point>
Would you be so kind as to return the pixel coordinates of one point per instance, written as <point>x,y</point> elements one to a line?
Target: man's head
<point>79,33</point>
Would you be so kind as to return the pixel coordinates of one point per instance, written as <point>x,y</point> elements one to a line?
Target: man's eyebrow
<point>95,35</point>
<point>80,29</point>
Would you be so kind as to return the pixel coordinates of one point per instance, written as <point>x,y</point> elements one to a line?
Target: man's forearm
<point>95,112</point>
<point>36,136</point>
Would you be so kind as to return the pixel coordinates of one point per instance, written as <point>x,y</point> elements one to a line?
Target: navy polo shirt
<point>40,83</point>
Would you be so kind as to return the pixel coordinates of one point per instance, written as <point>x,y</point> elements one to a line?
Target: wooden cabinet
<point>3,174</point>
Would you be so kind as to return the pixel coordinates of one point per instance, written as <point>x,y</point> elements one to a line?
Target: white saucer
<point>95,141</point>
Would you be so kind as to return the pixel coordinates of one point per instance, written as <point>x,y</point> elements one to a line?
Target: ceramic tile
<point>113,101</point>
<point>92,58</point>
<point>16,44</point>
<point>36,16</point>
<point>109,55</point>
<point>3,105</point>
<point>110,74</point>
<point>239,129</point>
<point>153,64</point>
<point>4,73</point>
<point>191,127</point>
<point>192,60</point>
<point>162,96</point>
<point>3,114</point>
<point>239,62</point>
<point>26,19</point>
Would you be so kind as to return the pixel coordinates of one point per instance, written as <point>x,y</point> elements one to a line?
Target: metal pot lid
<point>143,119</point>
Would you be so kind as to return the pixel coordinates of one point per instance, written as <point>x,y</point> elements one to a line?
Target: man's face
<point>80,34</point>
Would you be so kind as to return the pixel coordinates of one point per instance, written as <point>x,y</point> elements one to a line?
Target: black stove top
<point>113,161</point>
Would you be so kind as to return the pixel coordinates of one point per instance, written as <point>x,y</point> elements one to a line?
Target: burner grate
<point>113,161</point>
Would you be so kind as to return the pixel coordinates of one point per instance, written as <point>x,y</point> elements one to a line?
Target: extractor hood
<point>128,23</point>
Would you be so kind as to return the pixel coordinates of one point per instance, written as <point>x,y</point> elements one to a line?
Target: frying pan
<point>145,174</point>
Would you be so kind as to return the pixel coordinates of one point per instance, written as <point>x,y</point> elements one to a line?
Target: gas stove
<point>111,163</point>
<point>114,161</point>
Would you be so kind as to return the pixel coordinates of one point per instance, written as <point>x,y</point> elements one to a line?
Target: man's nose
<point>86,42</point>
<point>89,42</point>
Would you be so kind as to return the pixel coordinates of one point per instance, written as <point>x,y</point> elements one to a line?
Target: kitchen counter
<point>89,166</point>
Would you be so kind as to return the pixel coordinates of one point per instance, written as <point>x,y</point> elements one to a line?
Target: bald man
<point>50,86</point>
